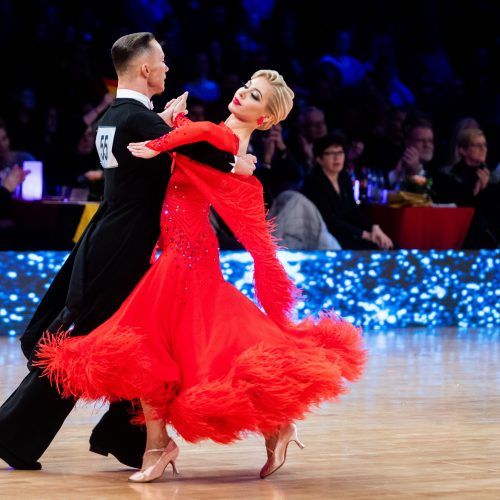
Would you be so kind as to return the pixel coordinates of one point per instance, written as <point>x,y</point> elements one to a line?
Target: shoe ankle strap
<point>153,450</point>
<point>170,444</point>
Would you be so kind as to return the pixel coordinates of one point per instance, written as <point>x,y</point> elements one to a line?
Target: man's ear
<point>145,70</point>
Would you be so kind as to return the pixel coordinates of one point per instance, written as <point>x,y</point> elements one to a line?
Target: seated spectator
<point>10,234</point>
<point>84,170</point>
<point>8,185</point>
<point>418,152</point>
<point>466,122</point>
<point>11,162</point>
<point>79,165</point>
<point>329,187</point>
<point>299,225</point>
<point>48,147</point>
<point>468,184</point>
<point>385,142</point>
<point>277,168</point>
<point>312,126</point>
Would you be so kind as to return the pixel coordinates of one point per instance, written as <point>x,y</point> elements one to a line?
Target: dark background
<point>446,52</point>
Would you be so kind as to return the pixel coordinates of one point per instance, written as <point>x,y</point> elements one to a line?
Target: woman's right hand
<point>380,238</point>
<point>140,150</point>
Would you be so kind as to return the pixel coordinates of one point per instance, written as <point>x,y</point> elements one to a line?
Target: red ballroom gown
<point>211,363</point>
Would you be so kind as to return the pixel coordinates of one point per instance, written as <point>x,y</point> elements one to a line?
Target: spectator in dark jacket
<point>329,187</point>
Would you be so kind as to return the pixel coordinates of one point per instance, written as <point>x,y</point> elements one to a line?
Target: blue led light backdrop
<point>375,290</point>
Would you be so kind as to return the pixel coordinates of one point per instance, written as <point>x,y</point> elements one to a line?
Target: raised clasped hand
<point>173,108</point>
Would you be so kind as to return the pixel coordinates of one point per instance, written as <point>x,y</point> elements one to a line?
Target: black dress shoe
<point>17,463</point>
<point>115,434</point>
<point>123,457</point>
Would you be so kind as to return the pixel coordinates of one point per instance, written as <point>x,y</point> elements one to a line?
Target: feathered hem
<point>265,386</point>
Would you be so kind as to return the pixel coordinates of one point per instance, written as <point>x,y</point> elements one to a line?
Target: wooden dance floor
<point>423,423</point>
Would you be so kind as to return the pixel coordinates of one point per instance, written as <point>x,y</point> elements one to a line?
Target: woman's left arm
<point>187,132</point>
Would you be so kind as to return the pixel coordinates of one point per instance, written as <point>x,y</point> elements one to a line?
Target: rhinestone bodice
<point>185,224</point>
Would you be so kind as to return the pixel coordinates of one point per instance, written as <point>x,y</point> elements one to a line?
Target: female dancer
<point>197,353</point>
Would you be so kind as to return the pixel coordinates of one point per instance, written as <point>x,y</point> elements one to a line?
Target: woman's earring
<point>260,120</point>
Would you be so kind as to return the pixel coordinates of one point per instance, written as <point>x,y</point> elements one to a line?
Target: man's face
<point>158,69</point>
<point>422,139</point>
<point>314,125</point>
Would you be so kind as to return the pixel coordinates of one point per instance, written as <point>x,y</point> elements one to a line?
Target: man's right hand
<point>410,161</point>
<point>245,164</point>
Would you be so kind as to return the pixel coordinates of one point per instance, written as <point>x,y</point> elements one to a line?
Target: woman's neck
<point>333,177</point>
<point>242,130</point>
<point>334,180</point>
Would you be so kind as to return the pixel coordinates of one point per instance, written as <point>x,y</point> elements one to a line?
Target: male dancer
<point>108,261</point>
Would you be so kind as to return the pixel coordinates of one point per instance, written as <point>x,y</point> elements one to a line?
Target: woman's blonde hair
<point>281,99</point>
<point>466,136</point>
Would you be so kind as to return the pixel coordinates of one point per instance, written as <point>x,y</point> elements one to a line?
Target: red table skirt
<point>423,228</point>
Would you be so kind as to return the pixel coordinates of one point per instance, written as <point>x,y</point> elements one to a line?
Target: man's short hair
<point>127,47</point>
<point>413,121</point>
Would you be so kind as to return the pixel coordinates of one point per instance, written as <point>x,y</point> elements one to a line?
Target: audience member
<point>329,187</point>
<point>312,126</point>
<point>466,122</point>
<point>467,184</point>
<point>11,162</point>
<point>299,224</point>
<point>8,184</point>
<point>384,144</point>
<point>200,85</point>
<point>277,167</point>
<point>364,89</point>
<point>22,118</point>
<point>352,70</point>
<point>418,152</point>
<point>79,165</point>
<point>48,146</point>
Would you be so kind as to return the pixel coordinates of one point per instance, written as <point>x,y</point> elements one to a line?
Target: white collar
<point>132,94</point>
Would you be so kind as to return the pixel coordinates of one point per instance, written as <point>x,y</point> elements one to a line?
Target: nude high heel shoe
<point>168,456</point>
<point>277,455</point>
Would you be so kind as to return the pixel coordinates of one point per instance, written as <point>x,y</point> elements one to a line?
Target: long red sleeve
<point>188,132</point>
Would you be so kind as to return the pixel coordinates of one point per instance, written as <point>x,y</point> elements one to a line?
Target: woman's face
<point>332,159</point>
<point>475,153</point>
<point>250,101</point>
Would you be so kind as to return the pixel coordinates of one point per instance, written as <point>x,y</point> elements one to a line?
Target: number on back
<point>104,144</point>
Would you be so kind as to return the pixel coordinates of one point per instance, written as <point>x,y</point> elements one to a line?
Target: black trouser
<point>34,413</point>
<point>32,416</point>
